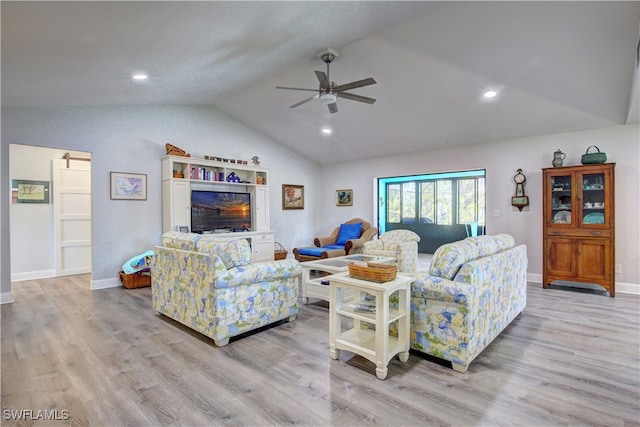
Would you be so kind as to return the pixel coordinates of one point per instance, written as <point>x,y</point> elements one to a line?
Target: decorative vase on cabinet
<point>579,225</point>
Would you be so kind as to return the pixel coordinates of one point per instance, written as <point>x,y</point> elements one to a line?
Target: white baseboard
<point>6,298</point>
<point>627,288</point>
<point>32,275</point>
<point>105,284</point>
<point>533,277</point>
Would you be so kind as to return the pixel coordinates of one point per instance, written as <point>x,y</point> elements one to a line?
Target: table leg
<point>381,373</point>
<point>404,324</point>
<point>382,334</point>
<point>335,325</point>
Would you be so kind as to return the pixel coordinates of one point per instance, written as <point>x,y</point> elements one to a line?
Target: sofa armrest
<point>327,240</point>
<point>324,241</point>
<point>260,272</point>
<point>407,256</point>
<point>373,245</point>
<point>436,288</point>
<point>366,236</point>
<point>407,247</point>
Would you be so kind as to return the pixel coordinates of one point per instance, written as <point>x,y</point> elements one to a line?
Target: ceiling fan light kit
<point>328,98</point>
<point>328,92</point>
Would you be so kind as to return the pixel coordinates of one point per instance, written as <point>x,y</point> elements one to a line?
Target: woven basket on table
<point>279,251</point>
<point>135,280</point>
<point>593,158</point>
<point>373,272</point>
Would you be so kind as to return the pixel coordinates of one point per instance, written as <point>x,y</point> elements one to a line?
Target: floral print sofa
<point>210,285</point>
<point>473,290</point>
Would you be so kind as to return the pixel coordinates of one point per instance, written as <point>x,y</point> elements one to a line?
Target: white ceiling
<point>557,66</point>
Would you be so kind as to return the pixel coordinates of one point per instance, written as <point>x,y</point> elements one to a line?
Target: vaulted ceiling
<point>556,66</point>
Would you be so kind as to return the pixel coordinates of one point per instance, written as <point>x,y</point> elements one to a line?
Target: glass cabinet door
<point>562,205</point>
<point>593,198</point>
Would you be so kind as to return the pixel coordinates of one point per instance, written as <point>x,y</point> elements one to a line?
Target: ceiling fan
<point>329,92</point>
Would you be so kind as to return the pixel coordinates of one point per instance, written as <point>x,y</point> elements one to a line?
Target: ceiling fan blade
<point>333,108</point>
<point>357,84</point>
<point>296,88</point>
<point>305,100</point>
<point>354,97</point>
<point>322,78</point>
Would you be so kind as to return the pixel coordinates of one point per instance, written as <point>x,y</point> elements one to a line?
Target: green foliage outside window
<point>454,200</point>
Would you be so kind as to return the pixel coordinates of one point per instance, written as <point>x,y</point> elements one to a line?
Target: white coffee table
<point>376,344</point>
<point>315,274</point>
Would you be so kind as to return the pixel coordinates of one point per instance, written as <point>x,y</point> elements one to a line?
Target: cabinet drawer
<point>259,238</point>
<point>578,233</point>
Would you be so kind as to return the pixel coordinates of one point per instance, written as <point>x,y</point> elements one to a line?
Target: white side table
<point>375,345</point>
<point>313,284</point>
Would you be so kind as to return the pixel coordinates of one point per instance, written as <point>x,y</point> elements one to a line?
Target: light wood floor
<point>107,358</point>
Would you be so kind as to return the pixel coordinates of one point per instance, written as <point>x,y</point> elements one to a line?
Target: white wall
<point>32,228</point>
<point>501,160</point>
<point>132,139</point>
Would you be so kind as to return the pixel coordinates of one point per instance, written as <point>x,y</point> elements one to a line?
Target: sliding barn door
<point>72,216</point>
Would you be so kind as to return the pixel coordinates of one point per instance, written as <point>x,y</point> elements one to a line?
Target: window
<point>453,198</point>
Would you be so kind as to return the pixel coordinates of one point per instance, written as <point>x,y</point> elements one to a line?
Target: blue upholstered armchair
<point>346,239</point>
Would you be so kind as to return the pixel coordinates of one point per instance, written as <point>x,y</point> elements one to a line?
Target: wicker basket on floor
<point>373,272</point>
<point>279,251</point>
<point>136,280</point>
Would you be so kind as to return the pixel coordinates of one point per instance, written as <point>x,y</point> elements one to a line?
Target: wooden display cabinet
<point>579,225</point>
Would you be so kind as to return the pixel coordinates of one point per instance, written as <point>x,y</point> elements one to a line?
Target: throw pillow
<point>348,232</point>
<point>239,252</point>
<point>212,246</point>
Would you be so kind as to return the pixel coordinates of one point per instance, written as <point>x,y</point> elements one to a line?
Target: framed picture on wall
<point>128,186</point>
<point>292,196</point>
<point>344,197</point>
<point>27,191</point>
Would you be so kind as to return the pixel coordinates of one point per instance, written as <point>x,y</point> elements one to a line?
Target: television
<point>220,210</point>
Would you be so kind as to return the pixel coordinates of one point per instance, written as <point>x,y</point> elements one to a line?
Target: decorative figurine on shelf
<point>558,157</point>
<point>232,177</point>
<point>172,150</point>
<point>256,161</point>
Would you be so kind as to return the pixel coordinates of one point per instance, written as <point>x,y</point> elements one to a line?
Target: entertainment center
<point>209,196</point>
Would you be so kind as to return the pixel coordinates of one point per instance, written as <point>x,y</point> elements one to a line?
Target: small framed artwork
<point>344,197</point>
<point>292,196</point>
<point>183,228</point>
<point>26,191</point>
<point>128,186</point>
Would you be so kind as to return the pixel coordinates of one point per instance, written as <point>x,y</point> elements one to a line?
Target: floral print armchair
<point>399,244</point>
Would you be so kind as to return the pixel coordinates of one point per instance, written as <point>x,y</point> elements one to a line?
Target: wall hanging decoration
<point>27,191</point>
<point>128,186</point>
<point>292,196</point>
<point>520,200</point>
<point>344,197</point>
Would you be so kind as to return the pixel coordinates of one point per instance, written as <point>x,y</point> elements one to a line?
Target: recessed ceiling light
<point>140,76</point>
<point>327,131</point>
<point>490,94</point>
